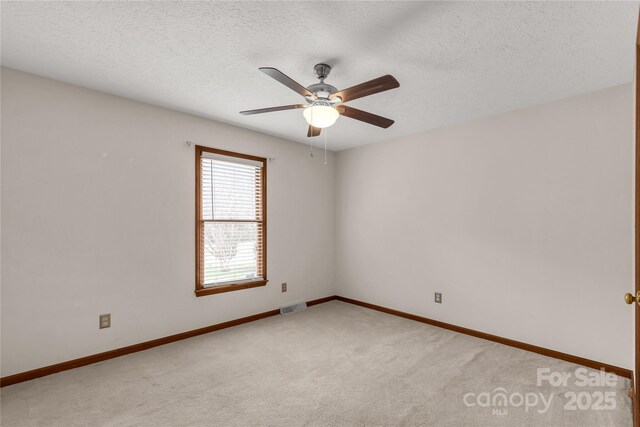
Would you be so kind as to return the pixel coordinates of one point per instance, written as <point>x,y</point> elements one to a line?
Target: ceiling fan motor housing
<point>322,90</point>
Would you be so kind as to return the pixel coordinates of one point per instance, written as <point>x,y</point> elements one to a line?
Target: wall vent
<point>288,309</point>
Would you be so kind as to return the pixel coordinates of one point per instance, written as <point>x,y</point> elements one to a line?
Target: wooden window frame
<point>201,290</point>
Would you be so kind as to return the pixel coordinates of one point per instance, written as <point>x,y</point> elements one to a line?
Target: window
<point>231,235</point>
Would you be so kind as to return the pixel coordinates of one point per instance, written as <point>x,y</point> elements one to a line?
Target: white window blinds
<point>232,220</point>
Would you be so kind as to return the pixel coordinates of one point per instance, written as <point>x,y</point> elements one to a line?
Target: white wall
<point>523,220</point>
<point>98,217</point>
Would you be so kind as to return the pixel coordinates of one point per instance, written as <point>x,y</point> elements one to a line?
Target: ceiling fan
<point>325,102</point>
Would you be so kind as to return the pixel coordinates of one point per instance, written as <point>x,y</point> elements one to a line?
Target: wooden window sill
<point>229,287</point>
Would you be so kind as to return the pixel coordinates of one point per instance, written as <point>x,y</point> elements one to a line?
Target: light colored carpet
<point>334,364</point>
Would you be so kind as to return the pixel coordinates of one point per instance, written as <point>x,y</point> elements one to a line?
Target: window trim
<point>201,290</point>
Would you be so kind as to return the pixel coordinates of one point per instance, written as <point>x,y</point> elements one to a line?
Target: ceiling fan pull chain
<point>310,139</point>
<point>325,146</point>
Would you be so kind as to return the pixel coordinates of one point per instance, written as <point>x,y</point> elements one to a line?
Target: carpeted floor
<point>334,364</point>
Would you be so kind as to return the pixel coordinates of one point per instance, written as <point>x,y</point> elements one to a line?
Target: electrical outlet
<point>284,287</point>
<point>438,298</point>
<point>105,320</point>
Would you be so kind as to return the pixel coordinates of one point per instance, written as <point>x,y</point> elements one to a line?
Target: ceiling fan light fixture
<point>321,115</point>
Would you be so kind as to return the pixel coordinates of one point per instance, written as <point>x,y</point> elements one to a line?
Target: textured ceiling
<point>455,61</point>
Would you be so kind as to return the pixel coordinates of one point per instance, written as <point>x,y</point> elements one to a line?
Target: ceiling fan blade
<point>313,131</point>
<point>271,109</point>
<point>367,88</point>
<point>363,116</point>
<point>286,80</point>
